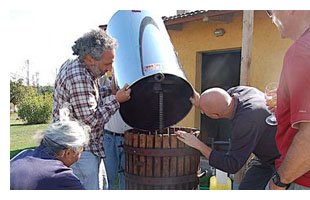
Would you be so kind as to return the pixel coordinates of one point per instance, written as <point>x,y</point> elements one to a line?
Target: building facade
<point>209,45</point>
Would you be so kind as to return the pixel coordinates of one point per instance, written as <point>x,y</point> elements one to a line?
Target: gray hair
<point>64,134</point>
<point>93,43</point>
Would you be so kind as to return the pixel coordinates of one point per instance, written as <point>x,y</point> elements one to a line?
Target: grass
<point>21,134</point>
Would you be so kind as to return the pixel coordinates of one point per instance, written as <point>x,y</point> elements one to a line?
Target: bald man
<point>246,108</point>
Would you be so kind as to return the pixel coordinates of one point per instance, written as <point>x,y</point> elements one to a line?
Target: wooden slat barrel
<point>160,161</point>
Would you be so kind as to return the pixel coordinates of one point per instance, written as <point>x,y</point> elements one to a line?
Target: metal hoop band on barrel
<point>160,152</point>
<point>162,180</point>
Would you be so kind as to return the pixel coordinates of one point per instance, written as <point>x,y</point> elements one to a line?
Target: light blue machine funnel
<point>146,60</point>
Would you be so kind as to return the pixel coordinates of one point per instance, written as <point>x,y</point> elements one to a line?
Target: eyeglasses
<point>269,13</point>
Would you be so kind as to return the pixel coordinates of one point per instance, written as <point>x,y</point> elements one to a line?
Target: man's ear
<point>215,115</point>
<point>89,61</point>
<point>68,152</point>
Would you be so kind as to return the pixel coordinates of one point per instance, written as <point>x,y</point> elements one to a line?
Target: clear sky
<point>43,33</point>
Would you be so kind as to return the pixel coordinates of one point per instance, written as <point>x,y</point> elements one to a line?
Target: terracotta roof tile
<point>184,15</point>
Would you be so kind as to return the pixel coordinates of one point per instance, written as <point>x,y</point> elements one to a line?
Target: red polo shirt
<point>293,104</point>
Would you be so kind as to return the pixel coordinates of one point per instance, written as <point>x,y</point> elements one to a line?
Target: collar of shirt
<point>235,98</point>
<point>307,30</point>
<point>44,153</point>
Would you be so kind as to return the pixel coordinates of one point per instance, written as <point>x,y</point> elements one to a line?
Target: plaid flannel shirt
<point>76,85</point>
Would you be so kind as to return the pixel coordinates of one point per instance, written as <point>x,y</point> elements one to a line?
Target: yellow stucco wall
<point>268,50</point>
<point>197,37</point>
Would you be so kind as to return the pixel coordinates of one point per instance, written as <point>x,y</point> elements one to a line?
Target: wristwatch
<point>276,180</point>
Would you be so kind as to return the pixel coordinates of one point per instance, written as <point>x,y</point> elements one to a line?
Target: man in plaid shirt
<point>77,85</point>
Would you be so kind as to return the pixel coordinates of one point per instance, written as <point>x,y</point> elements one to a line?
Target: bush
<point>36,109</point>
<point>18,91</point>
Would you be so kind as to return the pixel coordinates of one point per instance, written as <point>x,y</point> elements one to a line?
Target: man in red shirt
<point>293,103</point>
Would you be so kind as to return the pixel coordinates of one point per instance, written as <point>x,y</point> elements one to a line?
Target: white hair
<point>93,43</point>
<point>64,133</point>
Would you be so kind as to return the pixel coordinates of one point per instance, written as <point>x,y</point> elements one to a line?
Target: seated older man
<point>47,166</point>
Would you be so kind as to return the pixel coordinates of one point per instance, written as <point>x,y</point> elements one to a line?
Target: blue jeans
<point>87,170</point>
<point>257,175</point>
<point>114,160</point>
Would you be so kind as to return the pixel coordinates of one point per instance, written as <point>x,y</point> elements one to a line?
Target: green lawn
<point>21,135</point>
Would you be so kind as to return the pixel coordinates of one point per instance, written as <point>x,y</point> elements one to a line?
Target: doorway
<point>219,69</point>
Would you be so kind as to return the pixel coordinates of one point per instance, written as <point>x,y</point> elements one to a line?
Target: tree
<point>18,91</point>
<point>45,90</point>
<point>34,106</point>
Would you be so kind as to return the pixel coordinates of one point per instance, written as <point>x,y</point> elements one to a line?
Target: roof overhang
<point>176,22</point>
<point>199,16</point>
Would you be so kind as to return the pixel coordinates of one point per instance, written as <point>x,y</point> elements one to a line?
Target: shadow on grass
<point>15,152</point>
<point>20,124</point>
<point>25,124</point>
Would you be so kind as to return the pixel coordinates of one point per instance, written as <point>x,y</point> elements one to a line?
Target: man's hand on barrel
<point>123,94</point>
<point>195,99</point>
<point>189,139</point>
<point>192,141</point>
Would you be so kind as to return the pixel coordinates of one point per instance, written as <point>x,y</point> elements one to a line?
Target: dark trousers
<point>257,175</point>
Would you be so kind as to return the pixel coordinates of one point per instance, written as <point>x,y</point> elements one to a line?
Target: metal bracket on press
<point>161,152</point>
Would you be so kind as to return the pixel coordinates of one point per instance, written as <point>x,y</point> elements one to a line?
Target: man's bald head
<point>214,102</point>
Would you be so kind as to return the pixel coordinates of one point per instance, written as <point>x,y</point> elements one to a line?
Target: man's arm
<point>194,142</point>
<point>231,162</point>
<point>86,107</point>
<point>297,160</point>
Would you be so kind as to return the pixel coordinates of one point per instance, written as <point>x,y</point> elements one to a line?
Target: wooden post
<point>245,73</point>
<point>247,33</point>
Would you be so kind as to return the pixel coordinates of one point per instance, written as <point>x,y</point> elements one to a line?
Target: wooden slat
<point>187,165</point>
<point>190,166</point>
<point>142,159</point>
<point>166,145</point>
<point>186,170</point>
<point>173,160</point>
<point>180,164</point>
<point>157,160</point>
<point>130,166</point>
<point>149,159</point>
<point>166,159</point>
<point>135,158</point>
<point>193,168</point>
